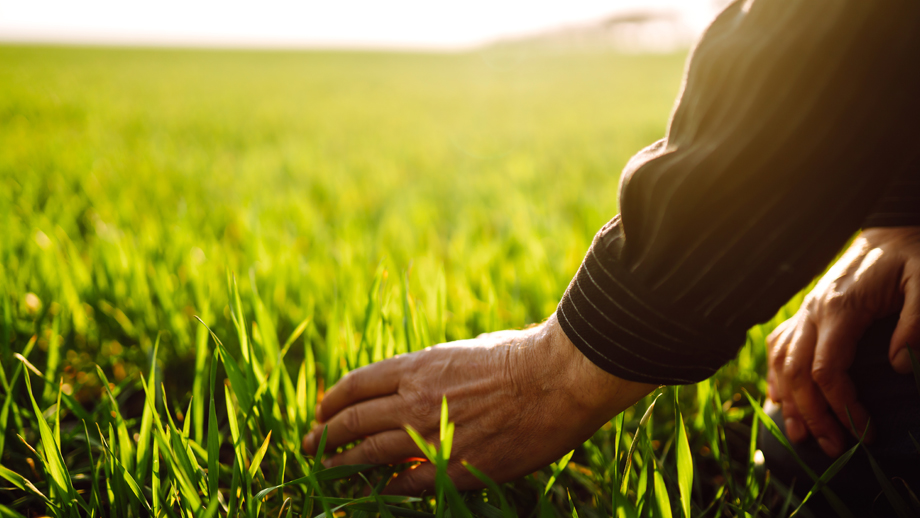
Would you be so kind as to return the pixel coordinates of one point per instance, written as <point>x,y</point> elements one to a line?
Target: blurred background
<point>470,147</point>
<point>325,184</point>
<point>366,24</point>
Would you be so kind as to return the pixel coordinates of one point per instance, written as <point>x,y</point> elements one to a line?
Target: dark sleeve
<point>899,204</point>
<point>793,119</point>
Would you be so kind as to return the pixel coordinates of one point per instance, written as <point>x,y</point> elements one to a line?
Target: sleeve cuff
<point>899,206</point>
<point>628,331</point>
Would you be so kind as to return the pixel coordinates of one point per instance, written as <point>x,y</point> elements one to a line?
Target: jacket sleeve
<point>794,117</point>
<point>899,204</point>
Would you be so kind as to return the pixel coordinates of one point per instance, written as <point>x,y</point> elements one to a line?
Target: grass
<point>317,212</point>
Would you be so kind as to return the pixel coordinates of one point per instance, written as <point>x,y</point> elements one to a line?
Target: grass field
<point>330,209</point>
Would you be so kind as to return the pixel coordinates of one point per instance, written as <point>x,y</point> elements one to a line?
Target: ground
<point>334,208</point>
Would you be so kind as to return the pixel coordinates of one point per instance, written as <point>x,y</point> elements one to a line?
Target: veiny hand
<point>519,399</point>
<point>810,354</point>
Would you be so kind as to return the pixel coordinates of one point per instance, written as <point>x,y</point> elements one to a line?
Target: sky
<point>419,24</point>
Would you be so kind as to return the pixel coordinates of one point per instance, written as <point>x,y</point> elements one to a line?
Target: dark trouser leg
<point>893,402</point>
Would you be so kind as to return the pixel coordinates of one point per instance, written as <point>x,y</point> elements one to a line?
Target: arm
<point>761,179</point>
<point>793,119</point>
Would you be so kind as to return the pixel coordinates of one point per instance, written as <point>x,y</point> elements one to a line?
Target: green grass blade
<point>55,461</point>
<point>95,500</point>
<point>455,502</point>
<point>320,451</point>
<point>572,504</point>
<point>828,474</point>
<point>557,470</point>
<point>53,358</point>
<point>774,430</point>
<point>238,380</point>
<point>126,444</point>
<point>57,417</point>
<point>260,453</point>
<point>235,435</point>
<point>187,419</point>
<point>22,483</point>
<point>271,353</point>
<point>125,476</point>
<point>427,449</point>
<point>145,441</point>
<point>395,511</point>
<point>199,381</point>
<point>301,399</point>
<point>234,503</point>
<point>661,494</point>
<point>213,433</point>
<point>684,460</point>
<point>444,415</point>
<point>155,479</point>
<point>898,503</point>
<point>6,512</point>
<point>9,402</point>
<point>381,504</point>
<point>186,487</point>
<point>506,509</point>
<point>339,472</point>
<point>295,335</point>
<point>632,445</point>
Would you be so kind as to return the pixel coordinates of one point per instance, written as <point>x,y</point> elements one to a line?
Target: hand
<point>519,399</point>
<point>810,354</point>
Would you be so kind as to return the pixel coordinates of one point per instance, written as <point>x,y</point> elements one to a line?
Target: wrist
<point>589,387</point>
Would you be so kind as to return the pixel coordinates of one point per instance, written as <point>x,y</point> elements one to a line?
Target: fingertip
<point>308,443</point>
<point>901,361</point>
<point>795,429</point>
<point>829,446</point>
<point>319,413</point>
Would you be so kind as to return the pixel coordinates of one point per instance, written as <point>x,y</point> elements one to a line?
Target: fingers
<point>777,346</point>
<point>356,422</point>
<point>420,479</point>
<point>834,354</point>
<point>779,386</point>
<point>809,401</point>
<point>390,447</point>
<point>374,380</point>
<point>792,421</point>
<point>907,333</point>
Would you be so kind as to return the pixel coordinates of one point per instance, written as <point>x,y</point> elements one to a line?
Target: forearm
<point>591,389</point>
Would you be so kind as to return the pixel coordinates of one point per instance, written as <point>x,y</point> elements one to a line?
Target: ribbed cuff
<point>899,206</point>
<point>630,332</point>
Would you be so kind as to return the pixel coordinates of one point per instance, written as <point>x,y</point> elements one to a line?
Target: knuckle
<point>817,423</point>
<point>373,451</point>
<point>775,335</point>
<point>778,358</point>
<point>349,384</point>
<point>796,373</point>
<point>835,301</point>
<point>351,420</point>
<point>421,406</point>
<point>411,483</point>
<point>823,376</point>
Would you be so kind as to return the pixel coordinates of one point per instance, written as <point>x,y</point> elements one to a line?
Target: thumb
<point>907,333</point>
